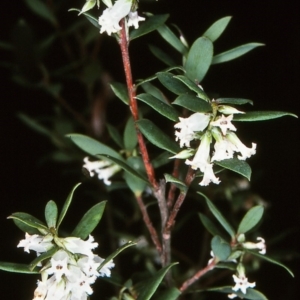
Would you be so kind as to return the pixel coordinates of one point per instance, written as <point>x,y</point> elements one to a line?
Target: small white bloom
<point>89,265</point>
<point>186,153</point>
<point>134,19</point>
<point>223,148</point>
<point>241,283</point>
<point>224,123</point>
<point>261,245</point>
<point>240,147</point>
<point>79,246</point>
<point>232,296</point>
<point>59,264</point>
<point>36,243</point>
<point>41,291</point>
<point>209,176</point>
<point>189,126</point>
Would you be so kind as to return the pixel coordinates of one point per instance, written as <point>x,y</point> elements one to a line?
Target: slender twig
<point>173,188</point>
<point>197,276</point>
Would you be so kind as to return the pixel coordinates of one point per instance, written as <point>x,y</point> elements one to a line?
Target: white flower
<point>228,110</point>
<point>240,147</point>
<point>89,265</point>
<point>261,245</point>
<point>59,264</point>
<point>111,16</point>
<point>223,148</point>
<point>105,270</point>
<point>209,176</point>
<point>104,168</point>
<point>241,283</point>
<point>36,243</point>
<point>195,122</point>
<point>134,19</point>
<point>224,123</point>
<point>79,246</point>
<point>232,296</point>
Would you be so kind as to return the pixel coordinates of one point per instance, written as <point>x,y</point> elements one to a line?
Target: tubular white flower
<point>36,243</point>
<point>134,19</point>
<point>224,123</point>
<point>209,176</point>
<point>79,246</point>
<point>240,147</point>
<point>261,245</point>
<point>223,148</point>
<point>195,122</point>
<point>59,264</point>
<point>89,265</point>
<point>241,283</point>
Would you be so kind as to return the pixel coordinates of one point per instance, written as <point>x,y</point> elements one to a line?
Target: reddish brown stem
<point>173,188</point>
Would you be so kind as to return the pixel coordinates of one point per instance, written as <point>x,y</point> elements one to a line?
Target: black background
<point>268,75</point>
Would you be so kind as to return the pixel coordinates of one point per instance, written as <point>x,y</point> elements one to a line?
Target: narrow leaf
<point>17,268</point>
<point>236,165</point>
<point>169,294</point>
<point>220,248</point>
<point>41,9</point>
<point>262,115</point>
<point>89,17</point>
<point>216,29</point>
<point>219,216</point>
<point>151,24</point>
<point>161,160</point>
<point>209,225</point>
<point>234,53</point>
<point>199,59</point>
<point>51,214</point>
<point>180,184</point>
<point>42,257</point>
<point>130,136</point>
<point>149,88</point>
<point>157,137</point>
<point>161,55</point>
<point>235,101</point>
<point>192,103</point>
<point>33,124</point>
<point>89,221</point>
<point>161,107</point>
<point>251,219</point>
<point>120,90</point>
<point>115,135</point>
<point>66,205</point>
<point>172,84</point>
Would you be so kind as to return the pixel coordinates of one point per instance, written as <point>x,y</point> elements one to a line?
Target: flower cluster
<point>103,168</point>
<point>206,127</point>
<point>74,267</point>
<point>111,16</point>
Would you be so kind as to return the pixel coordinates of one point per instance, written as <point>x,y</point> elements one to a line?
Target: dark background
<point>268,75</point>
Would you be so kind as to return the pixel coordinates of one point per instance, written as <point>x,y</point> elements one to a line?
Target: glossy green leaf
<point>172,84</point>
<point>169,294</point>
<point>115,253</point>
<point>30,221</point>
<point>66,206</point>
<point>168,35</point>
<point>220,248</point>
<point>251,219</point>
<point>193,86</point>
<point>120,90</point>
<point>26,228</point>
<point>161,107</point>
<point>236,165</point>
<point>216,29</point>
<point>234,53</point>
<point>149,88</point>
<point>147,288</point>
<point>161,160</point>
<point>261,115</point>
<point>89,17</point>
<point>180,184</point>
<point>40,8</point>
<point>162,56</point>
<point>150,24</point>
<point>234,101</point>
<point>17,268</point>
<point>157,137</point>
<point>130,136</point>
<point>199,59</point>
<point>88,5</point>
<point>42,257</point>
<point>115,135</point>
<point>92,146</point>
<point>89,221</point>
<point>209,225</point>
<point>192,103</point>
<point>219,216</point>
<point>271,260</point>
<point>51,214</point>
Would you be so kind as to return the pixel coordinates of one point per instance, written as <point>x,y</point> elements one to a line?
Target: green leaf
<point>92,146</point>
<point>199,59</point>
<point>161,55</point>
<point>271,260</point>
<point>161,160</point>
<point>89,4</point>
<point>180,184</point>
<point>261,115</point>
<point>51,214</point>
<point>209,225</point>
<point>17,268</point>
<point>192,103</point>
<point>219,216</point>
<point>251,219</point>
<point>115,253</point>
<point>169,294</point>
<point>220,248</point>
<point>89,221</point>
<point>148,287</point>
<point>89,17</point>
<point>41,9</point>
<point>157,137</point>
<point>30,221</point>
<point>120,90</point>
<point>161,107</point>
<point>168,35</point>
<point>235,101</point>
<point>115,135</point>
<point>216,29</point>
<point>130,136</point>
<point>172,84</point>
<point>35,125</point>
<point>66,205</point>
<point>149,88</point>
<point>193,86</point>
<point>42,257</point>
<point>236,165</point>
<point>234,53</point>
<point>151,24</point>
